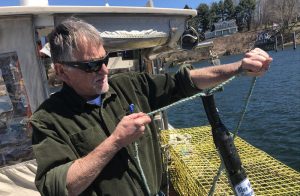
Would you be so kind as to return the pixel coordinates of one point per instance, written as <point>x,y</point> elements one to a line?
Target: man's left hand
<point>256,62</point>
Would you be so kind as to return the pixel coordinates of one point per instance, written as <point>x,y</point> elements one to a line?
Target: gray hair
<point>65,40</point>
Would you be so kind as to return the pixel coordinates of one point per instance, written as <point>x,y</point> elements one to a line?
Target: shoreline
<point>235,44</point>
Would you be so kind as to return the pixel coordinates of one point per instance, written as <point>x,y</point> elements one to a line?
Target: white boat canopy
<point>123,28</point>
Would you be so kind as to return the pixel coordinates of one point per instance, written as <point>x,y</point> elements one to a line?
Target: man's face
<point>87,84</point>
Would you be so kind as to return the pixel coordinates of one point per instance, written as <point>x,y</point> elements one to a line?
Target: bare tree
<point>287,10</point>
<point>283,12</point>
<point>277,11</point>
<point>269,12</point>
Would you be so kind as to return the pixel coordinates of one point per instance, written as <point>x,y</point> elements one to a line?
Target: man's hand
<point>256,62</point>
<point>84,170</point>
<point>130,128</point>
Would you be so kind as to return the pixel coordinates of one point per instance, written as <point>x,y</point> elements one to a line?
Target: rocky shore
<point>228,45</point>
<point>238,43</point>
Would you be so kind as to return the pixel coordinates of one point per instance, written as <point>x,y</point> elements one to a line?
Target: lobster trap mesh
<point>193,162</point>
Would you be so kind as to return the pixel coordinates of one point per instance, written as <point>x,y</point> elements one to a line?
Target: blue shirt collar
<point>97,101</point>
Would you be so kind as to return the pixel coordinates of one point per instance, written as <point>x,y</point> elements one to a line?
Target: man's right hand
<point>84,170</point>
<point>130,128</point>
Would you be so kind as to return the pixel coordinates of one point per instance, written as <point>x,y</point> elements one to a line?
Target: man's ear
<point>61,72</point>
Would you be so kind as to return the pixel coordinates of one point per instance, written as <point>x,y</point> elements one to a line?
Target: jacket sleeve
<point>54,157</point>
<point>165,89</point>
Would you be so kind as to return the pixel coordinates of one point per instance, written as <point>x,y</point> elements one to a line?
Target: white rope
<point>204,93</point>
<point>136,147</point>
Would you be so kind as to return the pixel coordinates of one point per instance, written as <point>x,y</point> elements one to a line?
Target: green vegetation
<point>249,14</point>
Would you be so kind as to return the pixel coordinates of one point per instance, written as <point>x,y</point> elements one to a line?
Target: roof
<point>36,10</point>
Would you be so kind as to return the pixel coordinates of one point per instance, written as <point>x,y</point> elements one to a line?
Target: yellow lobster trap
<point>194,163</point>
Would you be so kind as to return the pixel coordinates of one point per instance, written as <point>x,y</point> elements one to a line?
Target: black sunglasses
<point>88,66</point>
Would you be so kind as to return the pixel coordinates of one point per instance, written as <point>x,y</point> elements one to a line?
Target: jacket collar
<point>79,103</point>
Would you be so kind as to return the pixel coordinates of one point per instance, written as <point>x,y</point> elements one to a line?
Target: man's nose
<point>103,70</point>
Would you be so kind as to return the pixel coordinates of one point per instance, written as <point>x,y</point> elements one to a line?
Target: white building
<point>222,29</point>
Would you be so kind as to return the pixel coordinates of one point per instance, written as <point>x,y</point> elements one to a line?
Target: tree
<point>221,11</point>
<point>244,13</point>
<point>282,12</point>
<point>187,7</point>
<point>204,16</point>
<point>238,18</point>
<point>287,10</point>
<point>229,9</point>
<point>213,12</point>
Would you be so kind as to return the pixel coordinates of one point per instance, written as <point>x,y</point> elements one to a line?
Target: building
<point>221,29</point>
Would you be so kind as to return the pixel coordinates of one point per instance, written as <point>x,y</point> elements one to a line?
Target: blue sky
<point>157,3</point>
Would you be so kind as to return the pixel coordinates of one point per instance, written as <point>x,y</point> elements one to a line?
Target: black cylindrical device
<point>224,143</point>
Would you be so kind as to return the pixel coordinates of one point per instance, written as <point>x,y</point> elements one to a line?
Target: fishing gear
<point>224,143</point>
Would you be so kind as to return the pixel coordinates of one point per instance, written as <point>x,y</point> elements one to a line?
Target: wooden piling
<point>282,46</point>
<point>294,40</point>
<point>276,44</point>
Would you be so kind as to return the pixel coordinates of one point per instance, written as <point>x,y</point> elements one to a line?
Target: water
<point>272,121</point>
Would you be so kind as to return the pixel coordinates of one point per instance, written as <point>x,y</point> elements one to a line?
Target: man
<point>85,136</point>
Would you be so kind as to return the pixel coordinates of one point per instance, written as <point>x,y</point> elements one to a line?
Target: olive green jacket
<point>66,128</point>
